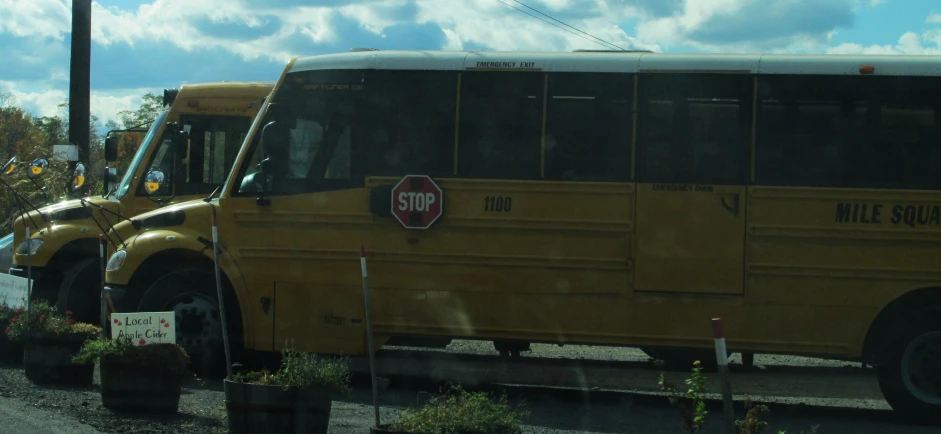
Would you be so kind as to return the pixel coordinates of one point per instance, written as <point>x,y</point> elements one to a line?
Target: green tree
<point>29,137</point>
<point>151,106</point>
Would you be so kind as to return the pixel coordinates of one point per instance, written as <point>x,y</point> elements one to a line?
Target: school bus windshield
<point>125,184</point>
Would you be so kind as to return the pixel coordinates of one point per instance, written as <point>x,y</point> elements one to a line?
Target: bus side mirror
<point>37,168</point>
<point>264,167</point>
<point>109,175</point>
<point>78,178</point>
<point>9,167</point>
<point>111,147</point>
<point>153,182</point>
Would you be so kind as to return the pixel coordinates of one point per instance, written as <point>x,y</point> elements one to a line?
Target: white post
<point>225,327</point>
<point>722,357</point>
<point>29,270</point>
<point>102,251</point>
<point>369,337</point>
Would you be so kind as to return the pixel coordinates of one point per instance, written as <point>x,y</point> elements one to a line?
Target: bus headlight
<point>116,260</point>
<point>29,247</point>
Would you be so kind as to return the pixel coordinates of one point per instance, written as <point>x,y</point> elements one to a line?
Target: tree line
<point>28,137</point>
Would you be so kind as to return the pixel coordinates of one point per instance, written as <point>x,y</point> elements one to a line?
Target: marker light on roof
<point>867,69</point>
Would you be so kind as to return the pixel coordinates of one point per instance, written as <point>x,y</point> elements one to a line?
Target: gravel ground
<point>26,408</point>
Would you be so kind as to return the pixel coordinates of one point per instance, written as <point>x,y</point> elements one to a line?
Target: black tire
<point>909,365</point>
<point>191,293</point>
<point>80,291</point>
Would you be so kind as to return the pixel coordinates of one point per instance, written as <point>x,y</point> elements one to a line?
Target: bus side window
<point>588,127</point>
<point>500,135</point>
<point>213,144</point>
<point>694,128</point>
<point>408,127</point>
<point>848,132</point>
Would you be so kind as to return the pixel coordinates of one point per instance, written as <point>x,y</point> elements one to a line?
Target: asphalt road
<point>17,416</point>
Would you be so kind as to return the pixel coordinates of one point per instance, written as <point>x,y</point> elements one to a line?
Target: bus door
<point>692,166</point>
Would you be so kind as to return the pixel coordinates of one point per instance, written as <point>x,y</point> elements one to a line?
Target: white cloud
<point>41,103</point>
<point>104,104</point>
<point>933,19</point>
<point>45,18</point>
<point>494,25</point>
<point>909,43</point>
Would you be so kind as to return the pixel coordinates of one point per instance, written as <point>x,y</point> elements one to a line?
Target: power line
<point>567,25</point>
<point>602,42</point>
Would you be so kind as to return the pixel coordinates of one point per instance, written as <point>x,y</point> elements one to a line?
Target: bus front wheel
<point>80,291</point>
<point>910,369</point>
<point>190,294</point>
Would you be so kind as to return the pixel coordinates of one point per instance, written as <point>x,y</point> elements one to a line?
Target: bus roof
<point>226,89</point>
<point>624,62</point>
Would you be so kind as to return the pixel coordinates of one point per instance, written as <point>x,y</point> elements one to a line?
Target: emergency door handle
<point>731,208</point>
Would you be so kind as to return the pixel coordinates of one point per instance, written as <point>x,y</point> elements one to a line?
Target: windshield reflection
<point>125,184</point>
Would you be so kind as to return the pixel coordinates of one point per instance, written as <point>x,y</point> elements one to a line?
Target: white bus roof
<point>623,62</point>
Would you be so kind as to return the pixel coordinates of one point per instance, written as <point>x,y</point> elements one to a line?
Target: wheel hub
<point>198,326</point>
<point>921,367</point>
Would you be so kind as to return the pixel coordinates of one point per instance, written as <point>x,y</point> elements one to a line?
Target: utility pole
<point>80,80</point>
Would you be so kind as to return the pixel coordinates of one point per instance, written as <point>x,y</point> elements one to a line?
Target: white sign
<point>13,290</point>
<point>64,153</point>
<point>144,327</point>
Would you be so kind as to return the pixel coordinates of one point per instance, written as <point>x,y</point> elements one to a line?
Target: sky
<point>141,46</point>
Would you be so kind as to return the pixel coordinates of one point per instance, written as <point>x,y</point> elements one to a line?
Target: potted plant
<point>137,378</point>
<point>50,341</point>
<point>11,352</point>
<point>458,412</point>
<point>296,399</point>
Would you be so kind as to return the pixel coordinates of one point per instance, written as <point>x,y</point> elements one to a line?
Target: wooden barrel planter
<point>254,408</point>
<point>128,388</point>
<point>11,352</point>
<point>47,359</point>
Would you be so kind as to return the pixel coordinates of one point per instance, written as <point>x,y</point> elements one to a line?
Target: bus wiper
<point>214,191</point>
<point>42,189</point>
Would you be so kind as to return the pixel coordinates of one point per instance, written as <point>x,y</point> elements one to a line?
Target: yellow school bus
<point>587,198</point>
<point>195,140</point>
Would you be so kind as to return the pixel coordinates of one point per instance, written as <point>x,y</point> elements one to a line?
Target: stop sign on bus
<point>417,201</point>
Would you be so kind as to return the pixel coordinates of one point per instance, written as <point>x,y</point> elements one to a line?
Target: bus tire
<point>80,291</point>
<point>909,365</point>
<point>191,294</point>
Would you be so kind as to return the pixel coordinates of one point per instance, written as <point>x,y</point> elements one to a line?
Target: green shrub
<point>462,412</point>
<point>303,370</point>
<point>167,359</point>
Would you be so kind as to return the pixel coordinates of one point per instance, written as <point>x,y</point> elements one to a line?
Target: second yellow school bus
<point>195,139</point>
<point>643,194</point>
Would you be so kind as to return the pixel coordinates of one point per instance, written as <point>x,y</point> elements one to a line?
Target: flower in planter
<point>460,411</point>
<point>7,313</point>
<point>44,318</point>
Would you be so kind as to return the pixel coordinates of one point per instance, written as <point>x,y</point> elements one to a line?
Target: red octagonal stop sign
<point>417,201</point>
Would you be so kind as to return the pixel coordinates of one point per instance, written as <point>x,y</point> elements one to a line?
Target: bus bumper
<point>116,300</point>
